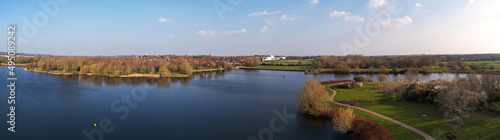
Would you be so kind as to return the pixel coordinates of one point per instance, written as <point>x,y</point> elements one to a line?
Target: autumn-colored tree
<point>143,69</point>
<point>128,71</point>
<point>382,78</point>
<point>116,73</point>
<point>313,99</point>
<point>343,122</point>
<point>186,68</point>
<point>467,68</point>
<point>164,71</point>
<point>84,69</point>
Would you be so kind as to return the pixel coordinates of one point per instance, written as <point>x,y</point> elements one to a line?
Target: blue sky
<point>248,27</point>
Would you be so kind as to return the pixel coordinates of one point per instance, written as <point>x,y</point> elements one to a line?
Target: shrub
<point>332,113</point>
<point>351,103</point>
<point>421,92</point>
<point>350,85</point>
<point>359,78</point>
<point>367,129</point>
<point>313,99</point>
<point>495,106</point>
<point>382,78</point>
<point>460,97</point>
<point>396,92</point>
<point>343,122</point>
<point>333,82</point>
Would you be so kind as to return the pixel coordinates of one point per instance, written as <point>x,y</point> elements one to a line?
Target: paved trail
<point>421,133</point>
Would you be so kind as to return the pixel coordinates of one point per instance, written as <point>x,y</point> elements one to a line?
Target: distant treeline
<point>119,65</point>
<point>394,64</point>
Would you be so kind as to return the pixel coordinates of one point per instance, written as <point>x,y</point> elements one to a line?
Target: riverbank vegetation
<point>474,63</point>
<point>313,99</point>
<point>131,66</point>
<point>465,106</point>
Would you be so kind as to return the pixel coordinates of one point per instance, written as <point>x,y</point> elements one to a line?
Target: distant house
<point>271,57</point>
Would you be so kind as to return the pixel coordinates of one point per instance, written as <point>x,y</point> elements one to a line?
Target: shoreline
<point>134,75</point>
<point>21,64</point>
<point>332,72</point>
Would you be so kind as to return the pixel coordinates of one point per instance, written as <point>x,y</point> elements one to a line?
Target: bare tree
<point>460,97</point>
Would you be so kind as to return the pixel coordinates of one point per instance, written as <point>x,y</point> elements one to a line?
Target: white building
<point>271,57</point>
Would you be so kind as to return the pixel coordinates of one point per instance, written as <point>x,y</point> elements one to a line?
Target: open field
<point>481,126</point>
<point>290,62</point>
<point>434,69</point>
<point>290,68</point>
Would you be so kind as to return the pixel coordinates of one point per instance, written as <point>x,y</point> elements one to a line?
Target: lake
<point>236,104</point>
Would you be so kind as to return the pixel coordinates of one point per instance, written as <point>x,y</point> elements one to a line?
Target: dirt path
<point>421,133</point>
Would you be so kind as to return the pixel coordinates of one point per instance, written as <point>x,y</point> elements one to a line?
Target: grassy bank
<point>481,126</point>
<point>290,65</point>
<point>288,68</point>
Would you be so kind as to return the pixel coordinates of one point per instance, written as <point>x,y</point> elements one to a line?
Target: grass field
<point>434,68</point>
<point>293,68</point>
<point>482,126</point>
<point>289,62</point>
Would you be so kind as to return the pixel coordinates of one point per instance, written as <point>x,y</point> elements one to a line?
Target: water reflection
<point>161,82</point>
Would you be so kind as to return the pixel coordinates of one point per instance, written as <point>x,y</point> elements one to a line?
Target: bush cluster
<point>333,82</point>
<point>351,103</point>
<point>362,128</point>
<point>350,85</point>
<point>367,129</point>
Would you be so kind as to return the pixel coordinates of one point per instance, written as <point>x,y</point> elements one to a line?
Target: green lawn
<point>289,62</point>
<point>294,68</point>
<point>495,63</point>
<point>482,127</point>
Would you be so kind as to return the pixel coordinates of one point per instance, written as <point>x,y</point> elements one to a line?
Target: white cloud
<point>170,36</point>
<point>287,18</point>
<point>377,3</point>
<point>166,20</point>
<point>241,31</point>
<point>396,22</point>
<point>314,1</point>
<point>266,29</point>
<point>347,16</point>
<point>236,32</point>
<point>205,33</point>
<point>339,14</point>
<point>262,13</point>
<point>472,1</point>
<point>418,5</point>
<point>354,18</point>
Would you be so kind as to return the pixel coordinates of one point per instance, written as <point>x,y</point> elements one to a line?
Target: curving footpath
<point>421,133</point>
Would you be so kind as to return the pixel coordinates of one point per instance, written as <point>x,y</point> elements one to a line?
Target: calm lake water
<point>213,105</point>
